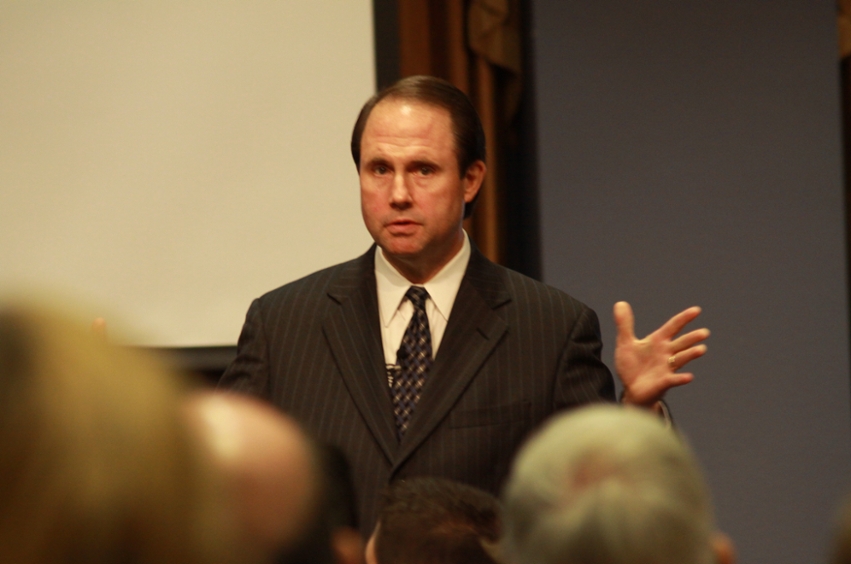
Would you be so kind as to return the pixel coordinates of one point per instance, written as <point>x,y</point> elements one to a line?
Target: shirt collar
<point>442,288</point>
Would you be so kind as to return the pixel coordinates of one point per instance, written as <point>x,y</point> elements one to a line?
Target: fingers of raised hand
<point>690,339</point>
<point>649,392</point>
<point>679,359</point>
<point>625,320</point>
<point>680,320</point>
<point>678,379</point>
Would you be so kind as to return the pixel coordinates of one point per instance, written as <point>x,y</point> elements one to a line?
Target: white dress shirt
<point>395,311</point>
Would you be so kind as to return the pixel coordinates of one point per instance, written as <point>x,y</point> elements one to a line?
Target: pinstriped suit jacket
<point>514,352</point>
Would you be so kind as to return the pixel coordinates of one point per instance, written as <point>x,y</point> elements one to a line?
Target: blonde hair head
<point>98,463</point>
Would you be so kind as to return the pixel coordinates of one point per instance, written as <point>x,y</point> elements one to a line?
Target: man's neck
<point>420,271</point>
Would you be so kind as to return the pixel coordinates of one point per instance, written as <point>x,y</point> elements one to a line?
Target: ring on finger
<point>672,362</point>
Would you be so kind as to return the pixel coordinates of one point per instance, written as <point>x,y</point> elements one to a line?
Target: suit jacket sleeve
<point>249,372</point>
<point>583,377</point>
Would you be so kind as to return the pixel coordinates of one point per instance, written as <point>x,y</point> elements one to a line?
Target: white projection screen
<point>162,163</point>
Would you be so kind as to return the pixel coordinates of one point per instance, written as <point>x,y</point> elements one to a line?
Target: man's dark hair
<point>466,125</point>
<point>436,521</point>
<point>337,509</point>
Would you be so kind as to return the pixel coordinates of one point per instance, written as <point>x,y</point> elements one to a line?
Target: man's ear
<point>723,549</point>
<point>473,178</point>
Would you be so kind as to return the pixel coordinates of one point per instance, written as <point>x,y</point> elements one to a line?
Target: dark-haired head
<point>429,520</point>
<point>466,125</point>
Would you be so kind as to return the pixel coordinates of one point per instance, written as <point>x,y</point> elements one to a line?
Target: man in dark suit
<point>448,378</point>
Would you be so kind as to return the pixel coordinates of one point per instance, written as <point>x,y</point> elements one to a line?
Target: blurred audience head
<point>340,507</point>
<point>609,485</point>
<point>271,473</point>
<point>435,521</point>
<point>98,462</point>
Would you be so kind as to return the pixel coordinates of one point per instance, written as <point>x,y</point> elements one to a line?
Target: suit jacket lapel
<point>474,329</point>
<point>354,335</point>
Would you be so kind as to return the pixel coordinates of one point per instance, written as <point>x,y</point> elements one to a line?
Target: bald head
<point>267,464</point>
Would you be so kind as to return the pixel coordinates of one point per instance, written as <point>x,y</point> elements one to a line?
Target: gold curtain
<point>844,9</point>
<point>476,45</point>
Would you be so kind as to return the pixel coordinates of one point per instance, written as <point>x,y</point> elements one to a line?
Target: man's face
<point>412,196</point>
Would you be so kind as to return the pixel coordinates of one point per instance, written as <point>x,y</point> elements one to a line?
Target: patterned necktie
<point>413,359</point>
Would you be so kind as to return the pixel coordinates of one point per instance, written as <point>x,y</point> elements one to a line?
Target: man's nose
<point>400,194</point>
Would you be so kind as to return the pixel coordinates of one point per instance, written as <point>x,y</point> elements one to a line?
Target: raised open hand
<point>648,367</point>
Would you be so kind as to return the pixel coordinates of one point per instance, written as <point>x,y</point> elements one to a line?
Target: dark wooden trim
<point>522,237</point>
<point>415,41</point>
<point>385,21</point>
<point>845,86</point>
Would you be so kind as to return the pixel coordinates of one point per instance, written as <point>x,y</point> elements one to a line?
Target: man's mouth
<point>402,226</point>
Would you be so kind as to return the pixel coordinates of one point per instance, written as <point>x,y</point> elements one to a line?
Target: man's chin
<point>404,253</point>
<point>402,246</point>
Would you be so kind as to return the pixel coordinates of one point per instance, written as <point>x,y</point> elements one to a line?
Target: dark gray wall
<point>689,153</point>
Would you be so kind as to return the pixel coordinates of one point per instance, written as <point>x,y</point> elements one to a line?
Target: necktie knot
<point>418,296</point>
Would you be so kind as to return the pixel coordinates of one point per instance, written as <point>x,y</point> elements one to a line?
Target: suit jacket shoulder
<point>552,320</point>
<point>285,324</point>
<point>316,286</point>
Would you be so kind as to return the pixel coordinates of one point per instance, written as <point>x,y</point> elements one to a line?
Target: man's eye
<point>380,170</point>
<point>426,170</point>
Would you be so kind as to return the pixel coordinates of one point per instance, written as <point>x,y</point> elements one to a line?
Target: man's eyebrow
<point>424,162</point>
<point>377,161</point>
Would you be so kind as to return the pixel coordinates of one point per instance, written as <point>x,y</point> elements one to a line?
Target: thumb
<point>625,321</point>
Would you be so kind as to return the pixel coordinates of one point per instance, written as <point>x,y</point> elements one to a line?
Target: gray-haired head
<point>607,485</point>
